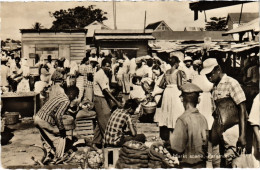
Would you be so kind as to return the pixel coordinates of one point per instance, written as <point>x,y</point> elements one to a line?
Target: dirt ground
<point>18,151</point>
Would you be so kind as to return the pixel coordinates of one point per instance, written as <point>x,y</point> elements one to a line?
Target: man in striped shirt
<point>49,118</point>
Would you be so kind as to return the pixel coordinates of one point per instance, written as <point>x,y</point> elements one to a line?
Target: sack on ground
<point>128,160</point>
<point>134,156</point>
<point>245,161</point>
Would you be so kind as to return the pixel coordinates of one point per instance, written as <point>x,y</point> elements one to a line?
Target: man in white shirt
<point>188,69</point>
<point>101,95</point>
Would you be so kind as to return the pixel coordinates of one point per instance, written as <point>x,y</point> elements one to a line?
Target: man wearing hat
<point>226,87</point>
<point>189,140</point>
<point>5,73</point>
<point>93,55</point>
<point>188,68</point>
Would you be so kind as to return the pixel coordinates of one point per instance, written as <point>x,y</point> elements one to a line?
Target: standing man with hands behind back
<point>225,89</point>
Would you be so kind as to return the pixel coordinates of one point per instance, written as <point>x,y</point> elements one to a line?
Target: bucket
<point>11,118</point>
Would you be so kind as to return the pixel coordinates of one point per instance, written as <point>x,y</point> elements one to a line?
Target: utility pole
<point>144,20</point>
<point>114,13</point>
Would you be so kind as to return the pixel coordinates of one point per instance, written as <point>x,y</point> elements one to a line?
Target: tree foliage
<point>37,26</point>
<point>216,24</point>
<point>76,18</point>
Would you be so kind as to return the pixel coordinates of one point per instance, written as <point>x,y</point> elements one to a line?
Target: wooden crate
<point>148,129</point>
<point>85,128</point>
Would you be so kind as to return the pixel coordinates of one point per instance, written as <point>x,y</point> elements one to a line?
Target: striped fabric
<point>53,110</point>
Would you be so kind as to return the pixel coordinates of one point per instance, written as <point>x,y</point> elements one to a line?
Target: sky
<point>130,15</point>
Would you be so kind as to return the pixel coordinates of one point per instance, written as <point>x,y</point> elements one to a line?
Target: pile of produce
<point>94,159</point>
<point>133,155</point>
<point>160,157</point>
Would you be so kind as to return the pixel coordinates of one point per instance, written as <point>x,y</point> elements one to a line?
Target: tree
<point>216,24</point>
<point>37,26</point>
<point>77,17</point>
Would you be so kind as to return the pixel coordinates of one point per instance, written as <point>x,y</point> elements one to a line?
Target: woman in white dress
<point>205,104</point>
<point>172,106</point>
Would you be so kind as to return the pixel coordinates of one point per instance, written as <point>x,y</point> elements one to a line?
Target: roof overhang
<point>250,26</point>
<point>123,37</point>
<point>53,31</point>
<point>208,5</point>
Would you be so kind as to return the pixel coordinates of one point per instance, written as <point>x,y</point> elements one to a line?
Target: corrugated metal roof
<point>191,35</point>
<point>128,37</point>
<point>252,25</point>
<point>245,17</point>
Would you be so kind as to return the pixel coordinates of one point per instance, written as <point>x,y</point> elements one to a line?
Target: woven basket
<point>11,118</point>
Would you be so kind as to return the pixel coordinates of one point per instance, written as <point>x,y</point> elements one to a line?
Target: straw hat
<point>188,58</point>
<point>197,62</point>
<point>208,65</point>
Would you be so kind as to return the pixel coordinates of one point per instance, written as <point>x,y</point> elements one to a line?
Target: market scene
<point>85,93</point>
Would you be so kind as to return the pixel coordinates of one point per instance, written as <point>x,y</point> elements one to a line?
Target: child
<point>189,139</point>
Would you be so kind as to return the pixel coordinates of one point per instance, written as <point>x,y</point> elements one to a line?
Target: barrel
<point>11,118</point>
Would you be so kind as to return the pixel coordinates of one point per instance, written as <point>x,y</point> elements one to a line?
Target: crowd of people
<point>190,95</point>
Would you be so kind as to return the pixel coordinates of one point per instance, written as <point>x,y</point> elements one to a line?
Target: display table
<point>26,103</point>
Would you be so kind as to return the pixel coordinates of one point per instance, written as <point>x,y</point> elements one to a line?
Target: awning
<point>250,26</point>
<point>129,37</point>
<point>208,5</point>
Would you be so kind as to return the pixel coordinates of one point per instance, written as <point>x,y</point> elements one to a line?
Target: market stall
<point>26,103</point>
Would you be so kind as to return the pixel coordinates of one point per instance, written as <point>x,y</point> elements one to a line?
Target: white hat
<point>208,65</point>
<point>120,61</point>
<point>93,59</point>
<point>187,58</point>
<point>197,62</point>
<point>93,51</point>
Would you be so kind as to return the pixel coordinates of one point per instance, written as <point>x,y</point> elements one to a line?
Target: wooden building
<point>70,44</point>
<point>91,30</point>
<point>133,42</point>
<point>233,19</point>
<point>159,26</point>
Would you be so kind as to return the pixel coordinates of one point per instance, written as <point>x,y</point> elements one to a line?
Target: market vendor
<point>189,139</point>
<point>16,74</point>
<point>49,120</point>
<point>120,119</point>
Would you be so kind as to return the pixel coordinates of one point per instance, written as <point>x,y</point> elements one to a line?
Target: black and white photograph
<point>129,84</point>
